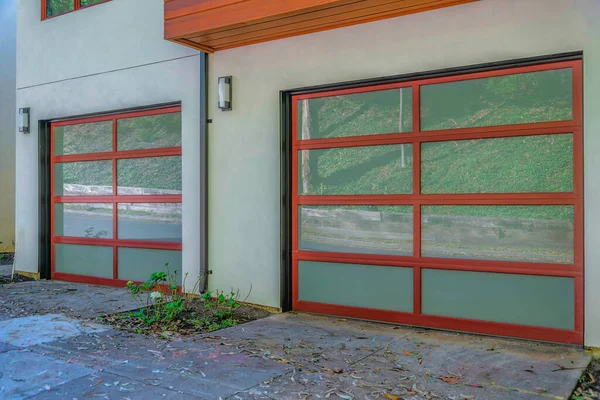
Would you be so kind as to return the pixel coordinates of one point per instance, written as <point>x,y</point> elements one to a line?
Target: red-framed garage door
<point>451,202</point>
<point>116,204</point>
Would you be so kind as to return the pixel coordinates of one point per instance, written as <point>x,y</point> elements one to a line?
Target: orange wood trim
<point>175,9</point>
<point>211,25</point>
<point>325,23</point>
<point>305,20</point>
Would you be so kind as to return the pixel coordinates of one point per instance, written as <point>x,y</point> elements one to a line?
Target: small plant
<point>221,308</point>
<point>163,306</point>
<point>162,302</point>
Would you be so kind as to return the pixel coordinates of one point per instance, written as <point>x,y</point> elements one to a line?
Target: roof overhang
<point>212,25</point>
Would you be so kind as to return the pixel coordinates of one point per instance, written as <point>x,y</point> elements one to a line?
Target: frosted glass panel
<point>139,264</point>
<point>503,100</point>
<point>148,132</point>
<point>149,176</point>
<point>356,170</point>
<point>369,286</point>
<point>92,137</point>
<point>84,260</point>
<point>516,299</point>
<point>357,229</point>
<point>368,113</point>
<point>542,234</point>
<point>507,165</point>
<point>88,220</point>
<point>150,221</point>
<point>85,178</point>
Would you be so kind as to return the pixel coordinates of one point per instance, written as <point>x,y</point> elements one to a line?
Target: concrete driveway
<point>285,356</point>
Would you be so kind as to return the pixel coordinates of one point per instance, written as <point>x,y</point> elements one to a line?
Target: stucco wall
<point>107,57</point>
<point>244,143</point>
<point>8,47</point>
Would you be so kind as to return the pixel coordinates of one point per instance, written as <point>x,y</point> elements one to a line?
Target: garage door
<point>452,202</point>
<point>116,206</point>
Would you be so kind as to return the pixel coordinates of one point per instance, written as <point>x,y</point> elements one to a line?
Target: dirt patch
<point>588,386</point>
<point>194,320</point>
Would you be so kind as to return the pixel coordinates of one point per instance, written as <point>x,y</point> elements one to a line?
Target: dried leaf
<point>406,353</point>
<point>391,396</point>
<point>452,380</point>
<point>492,347</point>
<point>365,348</point>
<point>464,396</point>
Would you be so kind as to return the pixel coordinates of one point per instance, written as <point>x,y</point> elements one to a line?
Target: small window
<point>52,8</point>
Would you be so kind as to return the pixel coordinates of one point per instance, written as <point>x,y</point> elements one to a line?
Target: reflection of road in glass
<point>155,222</point>
<point>381,230</point>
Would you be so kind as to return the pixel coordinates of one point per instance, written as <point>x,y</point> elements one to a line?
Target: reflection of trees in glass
<point>361,169</point>
<point>148,132</point>
<point>358,170</point>
<point>150,173</point>
<point>90,2</point>
<point>85,173</point>
<point>512,99</point>
<point>83,138</point>
<point>55,7</point>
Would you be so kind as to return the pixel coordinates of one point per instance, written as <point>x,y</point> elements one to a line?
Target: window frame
<point>76,7</point>
<point>115,199</point>
<point>292,145</point>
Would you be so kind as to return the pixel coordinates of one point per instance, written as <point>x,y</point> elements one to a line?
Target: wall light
<point>24,120</point>
<point>225,93</point>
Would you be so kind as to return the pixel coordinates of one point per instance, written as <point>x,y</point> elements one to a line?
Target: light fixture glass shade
<point>225,90</point>
<point>24,120</point>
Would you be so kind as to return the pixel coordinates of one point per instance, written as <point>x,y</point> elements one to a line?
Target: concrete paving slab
<point>101,349</point>
<point>108,386</point>
<point>29,331</point>
<point>52,297</point>
<point>23,374</point>
<point>4,347</point>
<point>207,372</point>
<point>370,360</point>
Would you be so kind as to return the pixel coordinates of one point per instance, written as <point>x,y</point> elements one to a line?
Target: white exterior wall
<point>110,56</point>
<point>244,143</point>
<point>8,57</point>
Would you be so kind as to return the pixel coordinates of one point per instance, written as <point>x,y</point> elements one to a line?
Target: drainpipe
<point>204,271</point>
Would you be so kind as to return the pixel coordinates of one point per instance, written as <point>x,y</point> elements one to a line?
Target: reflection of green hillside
<point>154,131</point>
<point>506,165</point>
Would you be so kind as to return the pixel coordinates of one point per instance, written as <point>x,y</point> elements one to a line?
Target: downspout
<point>204,271</point>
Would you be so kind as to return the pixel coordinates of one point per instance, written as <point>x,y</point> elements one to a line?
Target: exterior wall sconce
<point>24,120</point>
<point>225,93</point>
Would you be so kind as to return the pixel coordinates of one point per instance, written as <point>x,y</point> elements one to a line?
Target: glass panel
<point>357,285</point>
<point>84,260</point>
<point>89,220</point>
<point>356,170</point>
<point>541,234</point>
<point>503,100</point>
<point>150,221</point>
<point>149,132</point>
<point>545,301</point>
<point>507,165</point>
<point>94,137</point>
<point>150,176</point>
<point>357,229</point>
<point>86,178</point>
<point>90,2</point>
<point>368,113</point>
<point>56,7</point>
<point>139,264</point>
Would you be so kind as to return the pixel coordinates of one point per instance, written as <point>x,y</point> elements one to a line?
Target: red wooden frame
<point>416,199</point>
<point>76,6</point>
<point>114,199</point>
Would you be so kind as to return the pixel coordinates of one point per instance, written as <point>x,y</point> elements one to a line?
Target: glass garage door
<point>116,204</point>
<point>452,202</point>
